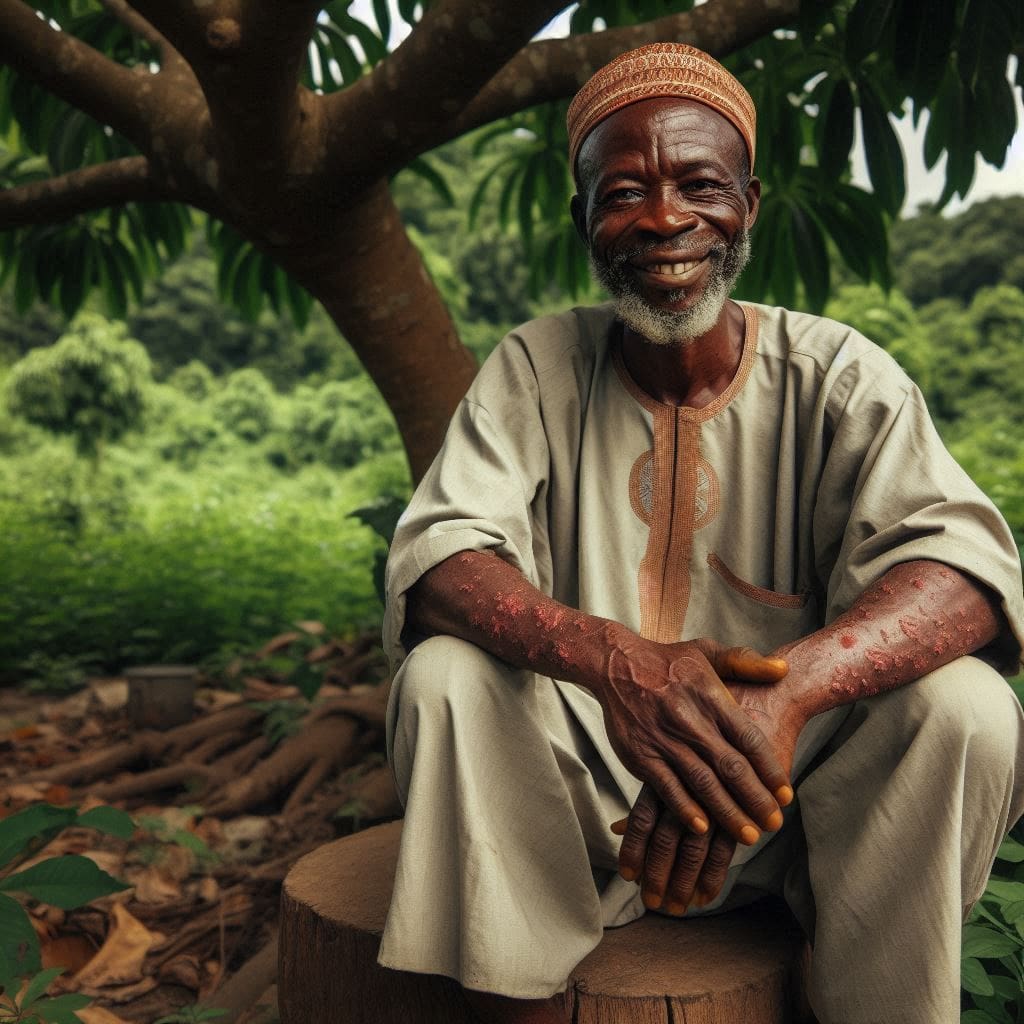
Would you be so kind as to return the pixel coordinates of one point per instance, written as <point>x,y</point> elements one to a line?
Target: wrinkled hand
<point>676,868</point>
<point>676,726</point>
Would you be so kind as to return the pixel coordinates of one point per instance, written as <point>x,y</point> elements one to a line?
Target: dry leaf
<point>153,886</point>
<point>99,1015</point>
<point>72,952</point>
<point>121,956</point>
<point>208,890</point>
<point>110,694</point>
<point>121,994</point>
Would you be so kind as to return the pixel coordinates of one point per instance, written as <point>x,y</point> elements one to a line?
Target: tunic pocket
<point>772,598</point>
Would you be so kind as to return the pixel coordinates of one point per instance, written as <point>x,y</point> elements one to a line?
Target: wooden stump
<point>161,696</point>
<point>745,967</point>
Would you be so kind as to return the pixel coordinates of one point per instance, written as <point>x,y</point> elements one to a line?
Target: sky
<point>922,185</point>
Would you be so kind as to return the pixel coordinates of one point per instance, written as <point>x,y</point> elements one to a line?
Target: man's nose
<point>668,212</point>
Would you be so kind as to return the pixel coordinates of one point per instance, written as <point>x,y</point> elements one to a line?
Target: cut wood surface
<point>745,967</point>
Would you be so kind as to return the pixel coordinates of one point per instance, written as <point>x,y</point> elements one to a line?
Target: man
<point>630,502</point>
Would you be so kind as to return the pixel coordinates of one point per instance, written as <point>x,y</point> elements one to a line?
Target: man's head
<point>662,144</point>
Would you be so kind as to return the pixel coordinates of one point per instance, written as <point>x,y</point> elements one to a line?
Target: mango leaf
<point>882,150</point>
<point>811,256</point>
<point>42,820</point>
<point>110,820</point>
<point>974,978</point>
<point>19,944</point>
<point>65,882</point>
<point>837,132</point>
<point>981,941</point>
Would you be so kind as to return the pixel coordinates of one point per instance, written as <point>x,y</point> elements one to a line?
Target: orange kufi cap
<point>655,70</point>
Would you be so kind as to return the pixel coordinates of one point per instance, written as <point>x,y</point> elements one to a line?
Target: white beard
<point>662,327</point>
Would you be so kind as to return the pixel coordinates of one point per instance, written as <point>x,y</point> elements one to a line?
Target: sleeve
<point>890,492</point>
<point>477,494</point>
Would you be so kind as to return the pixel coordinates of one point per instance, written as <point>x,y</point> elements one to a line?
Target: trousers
<point>507,870</point>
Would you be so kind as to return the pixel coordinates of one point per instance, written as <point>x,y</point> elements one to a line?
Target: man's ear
<point>579,218</point>
<point>753,197</point>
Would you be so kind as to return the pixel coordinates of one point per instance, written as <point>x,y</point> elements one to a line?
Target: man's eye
<point>700,185</point>
<point>622,195</point>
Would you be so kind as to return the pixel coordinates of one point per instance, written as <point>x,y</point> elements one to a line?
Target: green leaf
<point>988,26</point>
<point>974,978</point>
<point>19,944</point>
<point>424,169</point>
<point>837,132</point>
<point>865,26</point>
<point>981,941</point>
<point>66,882</point>
<point>923,46</point>
<point>1011,850</point>
<point>1008,891</point>
<point>1012,912</point>
<point>42,820</point>
<point>38,985</point>
<point>61,1009</point>
<point>977,1017</point>
<point>110,820</point>
<point>882,150</point>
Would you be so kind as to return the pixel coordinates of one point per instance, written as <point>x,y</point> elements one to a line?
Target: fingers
<point>742,663</point>
<point>728,789</point>
<point>691,853</point>
<point>673,794</point>
<point>753,745</point>
<point>641,823</point>
<point>715,869</point>
<point>661,857</point>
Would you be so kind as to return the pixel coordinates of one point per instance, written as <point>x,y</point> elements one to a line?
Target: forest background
<point>210,504</point>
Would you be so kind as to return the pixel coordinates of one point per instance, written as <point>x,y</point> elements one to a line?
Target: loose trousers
<point>506,875</point>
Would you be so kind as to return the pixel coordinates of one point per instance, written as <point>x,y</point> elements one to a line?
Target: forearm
<point>479,597</point>
<point>918,617</point>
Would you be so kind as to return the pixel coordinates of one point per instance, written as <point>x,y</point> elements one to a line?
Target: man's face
<point>664,210</point>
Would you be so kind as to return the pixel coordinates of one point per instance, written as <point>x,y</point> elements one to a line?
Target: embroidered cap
<point>655,70</point>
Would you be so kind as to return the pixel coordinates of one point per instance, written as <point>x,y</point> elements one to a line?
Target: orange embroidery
<point>675,492</point>
<point>768,597</point>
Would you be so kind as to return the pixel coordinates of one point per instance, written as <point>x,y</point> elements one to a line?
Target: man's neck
<point>694,374</point>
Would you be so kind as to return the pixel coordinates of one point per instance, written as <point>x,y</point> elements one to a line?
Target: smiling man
<point>632,502</point>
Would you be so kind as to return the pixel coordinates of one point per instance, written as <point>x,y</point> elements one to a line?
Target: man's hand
<point>674,723</point>
<point>675,867</point>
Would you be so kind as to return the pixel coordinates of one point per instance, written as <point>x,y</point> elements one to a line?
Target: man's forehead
<point>639,128</point>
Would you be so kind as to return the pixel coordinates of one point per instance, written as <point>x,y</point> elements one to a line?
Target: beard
<point>673,327</point>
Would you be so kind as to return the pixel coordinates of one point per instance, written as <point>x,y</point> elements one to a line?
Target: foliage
<point>992,966</point>
<point>245,404</point>
<point>67,882</point>
<point>91,384</point>
<point>165,834</point>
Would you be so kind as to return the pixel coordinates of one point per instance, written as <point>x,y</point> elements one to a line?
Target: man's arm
<point>669,716</point>
<point>916,618</point>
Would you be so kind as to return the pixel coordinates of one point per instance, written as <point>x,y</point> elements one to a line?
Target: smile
<point>675,275</point>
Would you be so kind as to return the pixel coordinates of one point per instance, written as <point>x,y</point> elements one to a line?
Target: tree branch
<point>91,188</point>
<point>404,105</point>
<point>139,26</point>
<point>553,69</point>
<point>72,70</point>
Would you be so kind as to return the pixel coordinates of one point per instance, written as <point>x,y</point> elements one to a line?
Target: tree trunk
<point>372,281</point>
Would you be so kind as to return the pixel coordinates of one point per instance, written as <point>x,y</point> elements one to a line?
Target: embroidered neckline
<point>686,412</point>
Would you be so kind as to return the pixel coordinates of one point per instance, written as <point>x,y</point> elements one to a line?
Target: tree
<point>262,115</point>
<point>91,384</point>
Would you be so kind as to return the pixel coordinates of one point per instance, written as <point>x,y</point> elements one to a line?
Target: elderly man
<point>631,501</point>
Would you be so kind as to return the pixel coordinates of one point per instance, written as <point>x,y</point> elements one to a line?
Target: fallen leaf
<point>110,694</point>
<point>121,956</point>
<point>208,890</point>
<point>72,952</point>
<point>153,886</point>
<point>98,1015</point>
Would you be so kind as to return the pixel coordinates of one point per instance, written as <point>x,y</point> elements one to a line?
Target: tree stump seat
<point>744,967</point>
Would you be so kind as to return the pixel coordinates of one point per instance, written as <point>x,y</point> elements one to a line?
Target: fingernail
<point>749,835</point>
<point>628,874</point>
<point>676,909</point>
<point>701,899</point>
<point>651,900</point>
<point>699,825</point>
<point>784,794</point>
<point>774,821</point>
<point>619,827</point>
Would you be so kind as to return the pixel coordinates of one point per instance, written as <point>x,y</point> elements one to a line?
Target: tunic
<point>754,520</point>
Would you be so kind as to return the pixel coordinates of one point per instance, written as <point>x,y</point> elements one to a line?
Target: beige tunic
<point>754,520</point>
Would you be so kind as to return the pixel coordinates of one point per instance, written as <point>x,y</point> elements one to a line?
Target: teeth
<point>675,268</point>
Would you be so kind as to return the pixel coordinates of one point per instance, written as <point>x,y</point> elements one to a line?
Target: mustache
<point>677,245</point>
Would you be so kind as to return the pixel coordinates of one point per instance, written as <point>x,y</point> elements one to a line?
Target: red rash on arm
<point>917,618</point>
<point>479,597</point>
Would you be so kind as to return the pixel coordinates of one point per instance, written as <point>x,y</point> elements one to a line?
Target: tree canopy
<point>282,123</point>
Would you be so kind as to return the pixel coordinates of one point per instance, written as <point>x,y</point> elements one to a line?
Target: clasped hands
<point>712,737</point>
